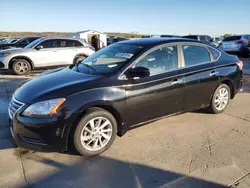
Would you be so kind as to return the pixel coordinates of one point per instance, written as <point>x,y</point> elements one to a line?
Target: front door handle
<point>177,81</point>
<point>214,73</point>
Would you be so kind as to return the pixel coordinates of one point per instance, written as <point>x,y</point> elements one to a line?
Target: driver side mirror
<point>140,72</point>
<point>39,47</point>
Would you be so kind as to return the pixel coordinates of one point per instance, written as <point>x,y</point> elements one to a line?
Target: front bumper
<point>38,134</point>
<point>4,62</point>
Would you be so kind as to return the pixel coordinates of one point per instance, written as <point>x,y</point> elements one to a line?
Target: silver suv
<point>235,44</point>
<point>44,52</point>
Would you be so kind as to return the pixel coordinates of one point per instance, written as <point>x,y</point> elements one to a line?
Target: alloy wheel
<point>221,99</point>
<point>21,67</point>
<point>96,133</point>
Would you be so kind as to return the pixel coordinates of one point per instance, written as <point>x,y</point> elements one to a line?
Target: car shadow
<point>105,172</point>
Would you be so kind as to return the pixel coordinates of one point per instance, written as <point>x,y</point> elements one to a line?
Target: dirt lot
<point>189,150</point>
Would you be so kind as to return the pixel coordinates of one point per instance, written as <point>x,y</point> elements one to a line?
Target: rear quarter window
<point>215,53</point>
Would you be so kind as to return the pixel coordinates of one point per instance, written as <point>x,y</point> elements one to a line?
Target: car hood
<point>13,50</point>
<point>58,83</point>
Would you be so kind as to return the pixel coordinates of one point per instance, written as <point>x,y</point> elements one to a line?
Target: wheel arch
<point>12,60</point>
<point>77,55</point>
<point>121,125</point>
<point>229,83</point>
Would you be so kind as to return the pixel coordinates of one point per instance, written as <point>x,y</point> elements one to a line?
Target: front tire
<point>95,132</point>
<point>220,100</point>
<point>21,67</point>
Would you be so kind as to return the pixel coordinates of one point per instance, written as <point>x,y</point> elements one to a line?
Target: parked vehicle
<point>115,39</point>
<point>120,87</point>
<point>236,44</point>
<point>44,52</point>
<point>151,36</point>
<point>204,38</point>
<point>248,37</point>
<point>19,44</point>
<point>174,36</point>
<point>217,41</point>
<point>13,40</point>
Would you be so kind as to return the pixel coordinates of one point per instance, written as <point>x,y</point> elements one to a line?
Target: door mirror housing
<point>140,72</point>
<point>39,47</point>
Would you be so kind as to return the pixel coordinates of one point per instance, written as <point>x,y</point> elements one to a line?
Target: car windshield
<point>232,38</point>
<point>34,43</point>
<point>108,59</point>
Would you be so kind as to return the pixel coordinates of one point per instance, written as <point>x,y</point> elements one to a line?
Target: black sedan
<point>120,87</point>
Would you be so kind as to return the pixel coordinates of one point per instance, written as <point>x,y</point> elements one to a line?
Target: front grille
<point>14,106</point>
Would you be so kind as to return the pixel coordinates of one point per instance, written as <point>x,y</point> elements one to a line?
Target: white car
<point>217,41</point>
<point>44,52</point>
<point>235,44</point>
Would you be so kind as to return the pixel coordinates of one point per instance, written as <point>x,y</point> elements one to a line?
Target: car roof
<point>156,41</point>
<point>70,38</point>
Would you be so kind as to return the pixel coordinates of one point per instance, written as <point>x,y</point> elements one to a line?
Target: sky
<point>214,17</point>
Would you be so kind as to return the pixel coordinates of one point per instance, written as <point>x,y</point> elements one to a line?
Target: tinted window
<point>62,43</point>
<point>215,53</point>
<point>160,60</point>
<point>32,39</point>
<point>203,38</point>
<point>69,43</point>
<point>232,38</point>
<point>195,55</point>
<point>73,43</point>
<point>246,37</point>
<point>26,41</point>
<point>23,41</point>
<point>49,43</point>
<point>191,37</point>
<point>208,39</point>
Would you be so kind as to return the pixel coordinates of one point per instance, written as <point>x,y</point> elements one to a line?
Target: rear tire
<point>21,67</point>
<point>220,100</point>
<point>95,132</point>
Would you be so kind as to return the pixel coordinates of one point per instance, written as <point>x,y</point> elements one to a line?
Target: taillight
<point>240,42</point>
<point>240,64</point>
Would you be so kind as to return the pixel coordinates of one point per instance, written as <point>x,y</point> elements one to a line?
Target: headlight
<point>5,54</point>
<point>44,108</point>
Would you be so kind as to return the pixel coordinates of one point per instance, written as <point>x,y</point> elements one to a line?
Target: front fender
<point>76,104</point>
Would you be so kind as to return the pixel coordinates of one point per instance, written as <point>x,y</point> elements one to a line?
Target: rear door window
<point>195,55</point>
<point>69,43</point>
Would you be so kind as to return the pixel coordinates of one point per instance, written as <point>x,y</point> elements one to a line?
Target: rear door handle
<point>214,73</point>
<point>177,81</point>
